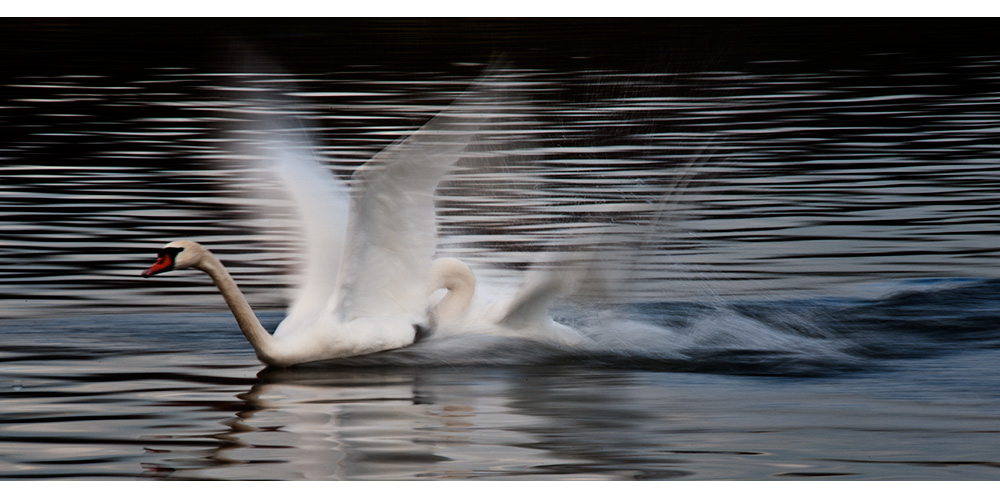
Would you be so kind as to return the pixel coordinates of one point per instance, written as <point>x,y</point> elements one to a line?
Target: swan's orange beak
<point>164,262</point>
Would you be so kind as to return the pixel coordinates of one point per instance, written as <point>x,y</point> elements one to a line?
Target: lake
<point>787,239</point>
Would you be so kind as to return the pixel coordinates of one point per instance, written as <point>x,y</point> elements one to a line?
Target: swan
<point>370,277</point>
<point>370,243</point>
<point>370,272</point>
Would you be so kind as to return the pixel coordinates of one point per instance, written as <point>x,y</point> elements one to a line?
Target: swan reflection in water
<point>348,423</point>
<point>371,283</point>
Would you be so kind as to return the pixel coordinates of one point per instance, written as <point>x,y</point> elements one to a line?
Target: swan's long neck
<point>454,276</point>
<point>261,341</point>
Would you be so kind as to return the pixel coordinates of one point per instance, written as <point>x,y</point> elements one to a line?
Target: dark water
<point>796,238</point>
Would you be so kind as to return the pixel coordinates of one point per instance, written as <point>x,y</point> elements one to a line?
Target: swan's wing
<point>555,277</point>
<point>321,204</point>
<point>392,234</point>
<point>531,303</point>
<point>266,134</point>
<point>392,231</point>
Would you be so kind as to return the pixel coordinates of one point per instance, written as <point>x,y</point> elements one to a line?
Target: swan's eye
<point>169,252</point>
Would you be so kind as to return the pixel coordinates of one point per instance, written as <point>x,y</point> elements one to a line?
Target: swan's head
<point>176,255</point>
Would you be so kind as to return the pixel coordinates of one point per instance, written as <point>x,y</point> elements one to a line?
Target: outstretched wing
<point>392,235</point>
<point>265,133</point>
<point>322,206</point>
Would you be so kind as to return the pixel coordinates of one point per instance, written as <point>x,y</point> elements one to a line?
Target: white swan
<point>370,247</point>
<point>365,287</point>
<point>369,276</point>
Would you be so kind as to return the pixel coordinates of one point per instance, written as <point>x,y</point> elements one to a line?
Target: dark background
<point>53,45</point>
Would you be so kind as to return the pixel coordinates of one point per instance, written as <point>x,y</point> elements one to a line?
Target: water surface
<point>796,252</point>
